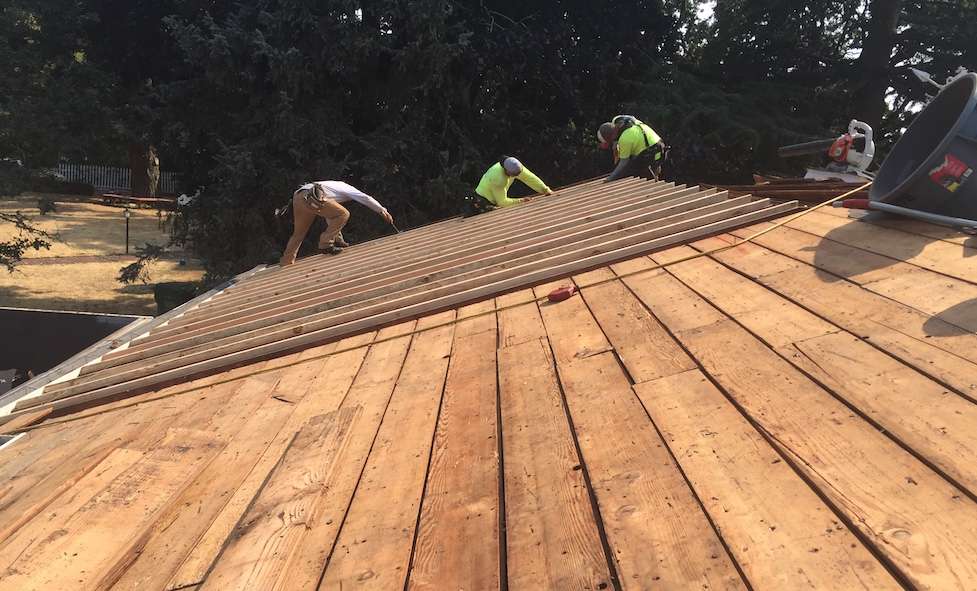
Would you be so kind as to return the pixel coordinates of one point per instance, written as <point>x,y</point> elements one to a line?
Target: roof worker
<point>493,189</point>
<point>323,198</point>
<point>638,149</point>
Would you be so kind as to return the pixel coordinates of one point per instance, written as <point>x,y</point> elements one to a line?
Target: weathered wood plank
<point>252,430</point>
<point>922,251</point>
<point>457,543</point>
<point>917,520</point>
<point>44,524</point>
<point>642,343</point>
<point>518,323</point>
<point>552,537</point>
<point>371,393</point>
<point>779,321</point>
<point>264,543</point>
<point>373,550</point>
<point>25,420</point>
<point>89,540</point>
<point>656,529</point>
<point>936,423</point>
<point>933,421</point>
<point>323,393</point>
<point>782,535</point>
<point>926,343</point>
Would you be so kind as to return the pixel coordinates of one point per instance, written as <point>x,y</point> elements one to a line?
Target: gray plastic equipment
<point>933,166</point>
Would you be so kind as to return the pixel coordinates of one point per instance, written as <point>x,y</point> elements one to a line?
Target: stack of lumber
<point>803,190</point>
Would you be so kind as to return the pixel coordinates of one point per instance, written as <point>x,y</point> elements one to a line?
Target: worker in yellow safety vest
<point>638,149</point>
<point>493,190</point>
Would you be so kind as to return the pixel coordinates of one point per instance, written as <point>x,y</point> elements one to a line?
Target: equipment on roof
<point>931,167</point>
<point>963,225</point>
<point>929,173</point>
<point>561,293</point>
<point>849,155</point>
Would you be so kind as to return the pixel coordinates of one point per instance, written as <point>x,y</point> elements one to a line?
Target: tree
<point>53,99</point>
<point>27,237</point>
<point>873,65</point>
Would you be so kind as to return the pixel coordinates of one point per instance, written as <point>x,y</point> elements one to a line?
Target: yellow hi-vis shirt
<point>495,184</point>
<point>632,141</point>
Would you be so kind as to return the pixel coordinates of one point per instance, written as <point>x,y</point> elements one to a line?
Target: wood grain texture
<point>911,515</point>
<point>457,543</point>
<point>88,540</point>
<point>323,393</point>
<point>657,531</point>
<point>926,343</point>
<point>552,538</point>
<point>374,547</point>
<point>767,514</point>
<point>262,546</point>
<point>643,345</point>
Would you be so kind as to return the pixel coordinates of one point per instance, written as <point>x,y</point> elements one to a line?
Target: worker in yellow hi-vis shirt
<point>638,149</point>
<point>493,189</point>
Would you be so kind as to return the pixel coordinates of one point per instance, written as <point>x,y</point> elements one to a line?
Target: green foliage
<point>27,237</point>
<point>46,206</point>
<point>139,270</point>
<point>412,101</point>
<point>54,101</point>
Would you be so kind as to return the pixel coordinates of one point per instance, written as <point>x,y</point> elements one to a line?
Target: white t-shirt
<point>341,192</point>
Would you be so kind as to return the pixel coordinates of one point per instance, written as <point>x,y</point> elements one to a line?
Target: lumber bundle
<point>803,190</point>
<point>444,265</point>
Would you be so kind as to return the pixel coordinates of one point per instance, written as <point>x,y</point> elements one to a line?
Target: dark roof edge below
<point>124,335</point>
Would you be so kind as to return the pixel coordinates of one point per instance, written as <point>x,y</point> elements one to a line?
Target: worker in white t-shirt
<point>323,198</point>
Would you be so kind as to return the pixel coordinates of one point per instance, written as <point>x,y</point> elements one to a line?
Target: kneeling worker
<point>323,198</point>
<point>494,186</point>
<point>638,148</point>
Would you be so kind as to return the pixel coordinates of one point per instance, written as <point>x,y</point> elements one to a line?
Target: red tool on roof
<point>562,293</point>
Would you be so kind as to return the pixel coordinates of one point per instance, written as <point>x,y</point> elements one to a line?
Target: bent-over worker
<point>493,189</point>
<point>638,149</point>
<point>323,198</point>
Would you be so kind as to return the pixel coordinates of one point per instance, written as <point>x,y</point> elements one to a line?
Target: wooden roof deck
<point>794,413</point>
<point>438,267</point>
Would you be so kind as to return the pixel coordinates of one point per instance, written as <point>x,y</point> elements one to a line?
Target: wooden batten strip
<point>335,302</point>
<point>508,244</point>
<point>463,228</point>
<point>556,266</point>
<point>424,253</point>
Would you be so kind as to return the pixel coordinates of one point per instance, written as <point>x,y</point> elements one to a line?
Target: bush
<point>46,184</point>
<point>14,178</point>
<point>172,294</point>
<point>46,205</point>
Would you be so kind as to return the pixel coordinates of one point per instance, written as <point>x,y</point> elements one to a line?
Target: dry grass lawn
<point>86,230</point>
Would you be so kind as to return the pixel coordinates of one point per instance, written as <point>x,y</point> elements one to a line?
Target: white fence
<point>113,178</point>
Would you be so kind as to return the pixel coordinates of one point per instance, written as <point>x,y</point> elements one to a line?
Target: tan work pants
<point>304,214</point>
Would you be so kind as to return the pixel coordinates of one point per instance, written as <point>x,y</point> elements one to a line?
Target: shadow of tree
<point>953,320</point>
<point>833,253</point>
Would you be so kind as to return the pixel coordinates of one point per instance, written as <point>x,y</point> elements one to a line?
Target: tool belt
<point>311,200</point>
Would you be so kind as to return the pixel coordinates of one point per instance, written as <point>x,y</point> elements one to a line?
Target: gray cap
<point>512,166</point>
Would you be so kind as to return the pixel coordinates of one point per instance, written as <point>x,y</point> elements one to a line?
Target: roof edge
<point>123,336</point>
